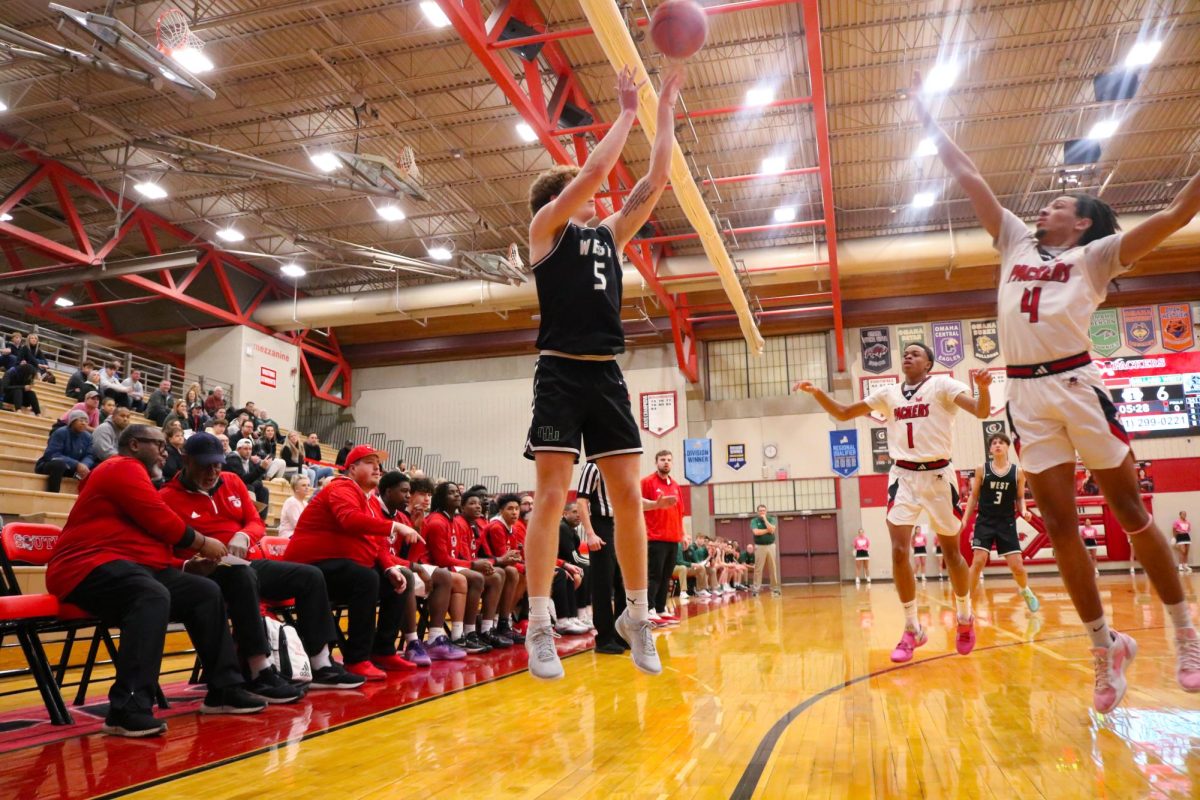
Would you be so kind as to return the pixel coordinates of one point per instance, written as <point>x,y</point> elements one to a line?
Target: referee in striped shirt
<point>608,590</point>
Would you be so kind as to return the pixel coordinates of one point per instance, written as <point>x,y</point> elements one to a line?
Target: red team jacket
<point>339,523</point>
<point>228,510</point>
<point>118,516</point>
<point>449,543</point>
<point>663,524</point>
<point>395,544</point>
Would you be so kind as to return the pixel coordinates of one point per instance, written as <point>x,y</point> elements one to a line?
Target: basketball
<point>679,28</point>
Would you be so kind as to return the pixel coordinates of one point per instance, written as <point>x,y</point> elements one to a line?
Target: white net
<point>174,33</point>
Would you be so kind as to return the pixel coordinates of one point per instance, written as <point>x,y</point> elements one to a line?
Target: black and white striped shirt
<point>591,487</point>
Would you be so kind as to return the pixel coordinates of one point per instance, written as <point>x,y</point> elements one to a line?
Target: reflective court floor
<point>761,697</point>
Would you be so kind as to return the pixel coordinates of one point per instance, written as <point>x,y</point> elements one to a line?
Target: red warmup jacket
<point>516,538</point>
<point>226,511</point>
<point>663,524</point>
<point>493,541</point>
<point>448,545</point>
<point>118,516</point>
<point>394,544</point>
<point>338,523</point>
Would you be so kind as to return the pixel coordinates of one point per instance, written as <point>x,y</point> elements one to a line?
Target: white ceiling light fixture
<point>440,253</point>
<point>940,78</point>
<point>760,95</point>
<point>6,217</point>
<point>293,270</point>
<point>1104,129</point>
<point>324,161</point>
<point>433,12</point>
<point>193,60</point>
<point>63,302</point>
<point>390,213</point>
<point>3,106</point>
<point>924,199</point>
<point>785,214</point>
<point>230,235</point>
<point>927,147</point>
<point>1142,53</point>
<point>773,165</point>
<point>151,191</point>
<point>526,133</point>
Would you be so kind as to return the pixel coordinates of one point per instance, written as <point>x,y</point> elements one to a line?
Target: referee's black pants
<point>661,564</point>
<point>608,589</point>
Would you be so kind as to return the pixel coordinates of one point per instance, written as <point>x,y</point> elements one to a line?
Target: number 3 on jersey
<point>1029,302</point>
<point>601,282</point>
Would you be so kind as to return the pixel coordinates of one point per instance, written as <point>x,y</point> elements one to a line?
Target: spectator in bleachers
<point>135,391</point>
<point>31,353</point>
<point>217,505</point>
<point>178,416</point>
<point>513,586</point>
<point>116,559</point>
<point>75,384</point>
<point>69,452</point>
<point>215,401</point>
<point>262,418</point>
<point>340,535</point>
<point>175,440</point>
<point>292,453</point>
<point>293,507</point>
<point>193,396</point>
<point>90,406</point>
<point>266,448</point>
<point>17,388</point>
<point>108,434</point>
<point>312,452</point>
<point>161,403</point>
<point>449,547</point>
<point>248,411</point>
<point>217,427</point>
<point>224,440</point>
<point>111,386</point>
<point>244,428</point>
<point>445,590</point>
<point>526,508</point>
<point>345,451</point>
<point>247,466</point>
<point>107,407</point>
<point>8,353</point>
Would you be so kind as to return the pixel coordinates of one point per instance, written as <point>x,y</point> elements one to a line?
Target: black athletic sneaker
<point>270,687</point>
<point>335,676</point>
<point>497,640</point>
<point>231,700</point>
<point>610,649</point>
<point>505,630</point>
<point>473,644</point>
<point>132,724</point>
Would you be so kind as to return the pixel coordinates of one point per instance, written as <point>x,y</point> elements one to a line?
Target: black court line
<point>762,754</point>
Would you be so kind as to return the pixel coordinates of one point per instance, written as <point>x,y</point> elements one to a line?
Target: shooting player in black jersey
<point>580,399</point>
<point>998,491</point>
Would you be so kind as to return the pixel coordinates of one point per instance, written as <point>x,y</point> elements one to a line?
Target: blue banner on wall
<point>736,456</point>
<point>697,460</point>
<point>843,452</point>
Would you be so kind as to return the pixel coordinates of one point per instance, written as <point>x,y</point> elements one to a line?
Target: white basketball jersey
<point>921,426</point>
<point>1045,304</point>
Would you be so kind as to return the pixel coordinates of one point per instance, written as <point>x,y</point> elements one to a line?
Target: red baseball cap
<point>362,451</point>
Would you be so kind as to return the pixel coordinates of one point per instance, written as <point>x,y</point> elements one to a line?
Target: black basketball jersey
<point>579,294</point>
<point>998,495</point>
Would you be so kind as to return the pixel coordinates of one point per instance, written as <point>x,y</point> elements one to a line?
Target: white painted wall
<point>238,355</point>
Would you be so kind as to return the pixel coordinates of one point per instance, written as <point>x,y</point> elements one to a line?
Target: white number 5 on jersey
<point>598,271</point>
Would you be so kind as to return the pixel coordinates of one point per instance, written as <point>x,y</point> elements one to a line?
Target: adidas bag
<point>287,652</point>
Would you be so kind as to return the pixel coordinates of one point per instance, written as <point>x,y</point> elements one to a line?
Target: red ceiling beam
<point>775,226</point>
<point>601,127</point>
<point>753,176</point>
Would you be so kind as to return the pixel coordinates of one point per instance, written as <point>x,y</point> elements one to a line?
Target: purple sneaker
<point>440,649</point>
<point>415,652</point>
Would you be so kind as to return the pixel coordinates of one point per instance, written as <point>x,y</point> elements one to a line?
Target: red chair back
<point>30,543</point>
<point>270,548</point>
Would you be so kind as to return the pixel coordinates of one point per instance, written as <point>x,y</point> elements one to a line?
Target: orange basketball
<point>679,28</point>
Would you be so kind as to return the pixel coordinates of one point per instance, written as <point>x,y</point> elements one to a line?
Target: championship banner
<point>1138,324</point>
<point>948,342</point>
<point>910,334</point>
<point>1175,319</point>
<point>735,456</point>
<point>880,460</point>
<point>876,349</point>
<point>697,460</point>
<point>990,428</point>
<point>985,339</point>
<point>658,412</point>
<point>1105,332</point>
<point>843,451</point>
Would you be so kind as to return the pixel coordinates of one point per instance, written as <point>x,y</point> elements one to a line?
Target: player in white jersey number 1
<point>920,426</point>
<point>1050,283</point>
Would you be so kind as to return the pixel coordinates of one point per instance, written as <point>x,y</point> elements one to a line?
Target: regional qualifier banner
<point>876,349</point>
<point>948,342</point>
<point>843,451</point>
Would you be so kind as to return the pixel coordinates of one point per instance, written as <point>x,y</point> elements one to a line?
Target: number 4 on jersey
<point>1029,302</point>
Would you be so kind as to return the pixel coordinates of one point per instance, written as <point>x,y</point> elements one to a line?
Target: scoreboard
<point>1157,395</point>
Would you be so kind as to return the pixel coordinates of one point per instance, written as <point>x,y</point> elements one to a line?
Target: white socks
<point>539,611</point>
<point>257,665</point>
<point>1180,617</point>
<point>485,626</point>
<point>410,637</point>
<point>321,659</point>
<point>456,630</point>
<point>637,604</point>
<point>963,606</point>
<point>910,616</point>
<point>1099,633</point>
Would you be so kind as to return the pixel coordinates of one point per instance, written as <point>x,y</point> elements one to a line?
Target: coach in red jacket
<point>116,559</point>
<point>218,505</point>
<point>664,529</point>
<point>338,534</point>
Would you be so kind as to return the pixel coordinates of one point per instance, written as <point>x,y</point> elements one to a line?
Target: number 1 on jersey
<point>908,426</point>
<point>1029,302</point>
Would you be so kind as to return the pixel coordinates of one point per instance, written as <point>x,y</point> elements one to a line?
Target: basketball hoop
<point>177,42</point>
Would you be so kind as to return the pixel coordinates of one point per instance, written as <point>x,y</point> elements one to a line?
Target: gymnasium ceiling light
<point>1104,129</point>
<point>63,302</point>
<point>923,199</point>
<point>193,60</point>
<point>3,106</point>
<point>940,78</point>
<point>1142,53</point>
<point>433,12</point>
<point>390,213</point>
<point>785,214</point>
<point>760,95</point>
<point>293,270</point>
<point>230,235</point>
<point>6,217</point>
<point>440,253</point>
<point>773,165</point>
<point>324,161</point>
<point>526,133</point>
<point>927,147</point>
<point>151,191</point>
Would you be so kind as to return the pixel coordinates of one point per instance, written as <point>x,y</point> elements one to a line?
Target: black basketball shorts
<point>1004,535</point>
<point>581,407</point>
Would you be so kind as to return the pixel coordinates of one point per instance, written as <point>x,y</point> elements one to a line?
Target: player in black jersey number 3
<point>579,395</point>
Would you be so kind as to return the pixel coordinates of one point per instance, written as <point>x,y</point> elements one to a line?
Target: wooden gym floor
<point>760,698</point>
